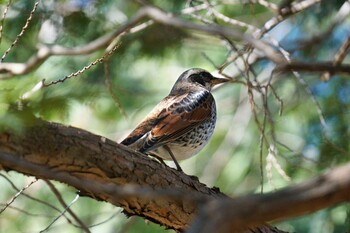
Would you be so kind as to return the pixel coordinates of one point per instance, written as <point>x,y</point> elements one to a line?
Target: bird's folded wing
<point>148,122</point>
<point>185,112</point>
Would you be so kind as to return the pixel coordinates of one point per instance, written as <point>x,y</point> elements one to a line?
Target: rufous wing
<point>148,122</point>
<point>185,112</point>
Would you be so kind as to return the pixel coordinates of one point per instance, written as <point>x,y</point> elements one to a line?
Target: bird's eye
<point>198,79</point>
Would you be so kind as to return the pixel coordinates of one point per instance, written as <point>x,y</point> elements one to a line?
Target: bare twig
<point>17,195</point>
<point>232,140</point>
<point>148,11</point>
<point>106,220</point>
<point>85,68</point>
<point>316,39</point>
<point>36,88</point>
<point>110,89</point>
<point>294,8</point>
<point>65,206</point>
<point>44,52</point>
<point>232,21</point>
<point>263,138</point>
<point>338,58</point>
<point>24,28</point>
<point>164,18</point>
<point>45,215</point>
<point>272,6</point>
<point>280,101</point>
<point>315,67</point>
<point>62,214</point>
<point>3,19</point>
<point>193,9</point>
<point>33,198</point>
<point>342,52</point>
<point>271,162</point>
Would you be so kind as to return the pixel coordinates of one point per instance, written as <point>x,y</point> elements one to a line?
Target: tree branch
<point>321,192</point>
<point>87,162</point>
<point>44,52</point>
<point>316,67</point>
<point>108,171</point>
<point>9,69</point>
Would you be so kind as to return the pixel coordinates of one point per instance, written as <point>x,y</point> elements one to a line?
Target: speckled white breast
<point>192,142</point>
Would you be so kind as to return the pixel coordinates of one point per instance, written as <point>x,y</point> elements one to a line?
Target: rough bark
<point>320,192</point>
<point>108,171</point>
<point>87,156</point>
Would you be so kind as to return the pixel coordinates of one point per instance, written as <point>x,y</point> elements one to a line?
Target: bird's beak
<point>216,81</point>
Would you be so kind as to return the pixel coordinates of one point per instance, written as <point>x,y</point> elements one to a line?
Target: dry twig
<point>24,28</point>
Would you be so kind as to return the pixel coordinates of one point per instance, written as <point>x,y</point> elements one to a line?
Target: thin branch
<point>24,28</point>
<point>27,212</point>
<point>314,67</point>
<point>342,52</point>
<point>17,195</point>
<point>167,19</point>
<point>61,214</point>
<point>279,100</point>
<point>111,92</point>
<point>231,21</point>
<point>106,220</point>
<point>262,128</point>
<point>297,6</point>
<point>33,198</point>
<point>284,13</point>
<point>272,162</point>
<point>316,39</point>
<point>272,6</point>
<point>65,206</point>
<point>44,52</point>
<point>3,19</point>
<point>85,68</point>
<point>148,11</point>
<point>193,9</point>
<point>338,58</point>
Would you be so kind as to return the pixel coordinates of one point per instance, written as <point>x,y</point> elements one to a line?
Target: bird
<point>181,124</point>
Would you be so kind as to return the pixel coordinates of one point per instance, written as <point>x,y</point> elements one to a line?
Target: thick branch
<point>105,170</point>
<point>323,191</point>
<point>77,155</point>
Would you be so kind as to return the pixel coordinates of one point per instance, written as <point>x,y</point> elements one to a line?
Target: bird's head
<point>196,79</point>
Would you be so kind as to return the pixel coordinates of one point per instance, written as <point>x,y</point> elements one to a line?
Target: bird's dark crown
<point>193,80</point>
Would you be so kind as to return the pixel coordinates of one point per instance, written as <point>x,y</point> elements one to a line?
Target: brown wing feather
<point>148,123</point>
<point>174,122</point>
<point>178,119</point>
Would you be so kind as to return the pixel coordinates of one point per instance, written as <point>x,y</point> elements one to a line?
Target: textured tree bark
<point>108,171</point>
<point>86,161</point>
<point>85,155</point>
<point>320,192</point>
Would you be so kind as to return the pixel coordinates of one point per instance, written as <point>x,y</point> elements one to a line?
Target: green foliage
<point>142,71</point>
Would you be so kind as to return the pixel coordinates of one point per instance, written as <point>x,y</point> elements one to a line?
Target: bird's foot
<point>158,158</point>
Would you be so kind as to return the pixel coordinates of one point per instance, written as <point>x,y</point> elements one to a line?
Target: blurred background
<point>306,135</point>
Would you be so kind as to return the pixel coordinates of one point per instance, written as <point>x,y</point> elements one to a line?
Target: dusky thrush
<point>182,123</point>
